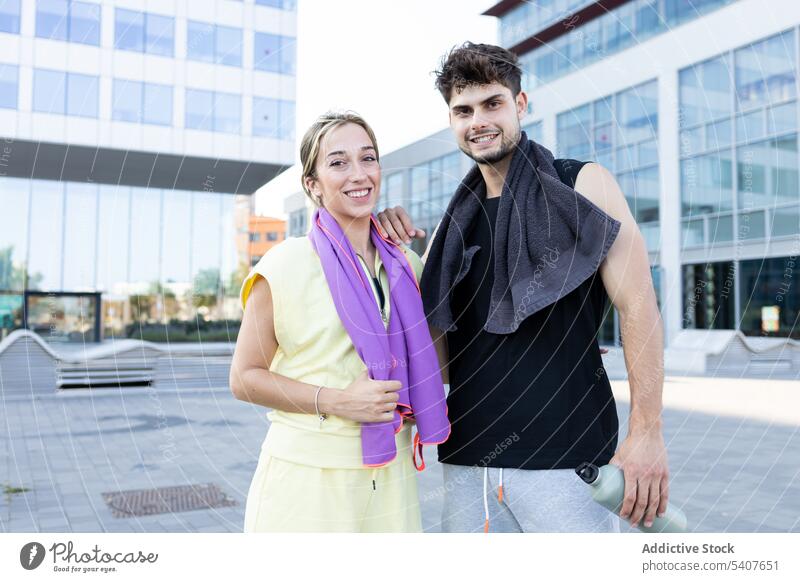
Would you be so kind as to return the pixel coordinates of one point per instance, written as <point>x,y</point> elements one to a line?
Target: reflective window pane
<point>266,49</point>
<point>128,30</point>
<point>84,23</point>
<point>82,95</point>
<point>47,221</point>
<point>200,41</point>
<point>49,91</point>
<point>768,173</point>
<point>144,247</point>
<point>769,296</point>
<point>766,71</point>
<point>159,34</point>
<point>176,236</point>
<point>9,16</point>
<point>707,184</point>
<point>228,43</point>
<point>287,113</point>
<point>705,92</point>
<point>14,199</point>
<point>52,19</point>
<point>785,220</point>
<point>157,104</point>
<point>708,296</point>
<point>80,230</point>
<point>127,102</point>
<point>199,109</point>
<point>9,86</point>
<point>112,241</point>
<point>265,117</point>
<point>227,113</point>
<point>637,112</point>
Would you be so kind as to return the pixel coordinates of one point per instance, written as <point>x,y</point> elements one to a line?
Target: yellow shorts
<point>289,497</point>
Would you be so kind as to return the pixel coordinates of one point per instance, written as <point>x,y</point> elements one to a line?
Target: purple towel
<point>404,352</point>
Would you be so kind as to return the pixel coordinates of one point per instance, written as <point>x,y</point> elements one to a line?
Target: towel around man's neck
<point>548,240</point>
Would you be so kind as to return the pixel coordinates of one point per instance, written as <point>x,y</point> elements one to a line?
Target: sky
<point>375,57</point>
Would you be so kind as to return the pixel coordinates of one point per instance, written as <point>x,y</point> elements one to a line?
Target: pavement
<point>733,447</point>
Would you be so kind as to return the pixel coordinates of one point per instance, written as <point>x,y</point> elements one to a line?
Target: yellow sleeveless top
<point>314,347</point>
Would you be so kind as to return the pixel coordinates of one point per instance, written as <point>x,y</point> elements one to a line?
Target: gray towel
<point>548,240</point>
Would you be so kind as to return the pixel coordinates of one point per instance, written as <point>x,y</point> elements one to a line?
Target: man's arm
<point>626,276</point>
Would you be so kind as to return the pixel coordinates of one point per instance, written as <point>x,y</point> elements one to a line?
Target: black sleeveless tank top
<point>538,398</point>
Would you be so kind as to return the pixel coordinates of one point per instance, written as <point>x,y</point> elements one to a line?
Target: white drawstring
<point>485,502</point>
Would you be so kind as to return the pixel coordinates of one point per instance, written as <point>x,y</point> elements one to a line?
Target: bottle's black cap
<point>587,472</point>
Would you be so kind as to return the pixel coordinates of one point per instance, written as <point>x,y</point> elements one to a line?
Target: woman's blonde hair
<point>312,141</point>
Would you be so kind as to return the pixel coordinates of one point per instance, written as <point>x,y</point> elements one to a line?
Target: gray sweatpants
<point>532,501</point>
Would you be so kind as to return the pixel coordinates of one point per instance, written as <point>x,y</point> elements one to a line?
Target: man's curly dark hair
<point>478,64</point>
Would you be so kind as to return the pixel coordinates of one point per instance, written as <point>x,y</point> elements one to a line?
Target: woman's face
<point>348,174</point>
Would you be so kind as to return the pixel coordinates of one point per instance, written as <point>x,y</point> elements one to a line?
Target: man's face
<point>486,121</point>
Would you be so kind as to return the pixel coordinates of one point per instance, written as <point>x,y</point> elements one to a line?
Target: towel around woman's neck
<point>548,240</point>
<point>403,352</point>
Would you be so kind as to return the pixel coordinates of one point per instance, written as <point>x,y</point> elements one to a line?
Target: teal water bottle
<point>608,489</point>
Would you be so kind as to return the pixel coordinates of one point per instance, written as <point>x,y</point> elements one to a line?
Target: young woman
<point>334,340</point>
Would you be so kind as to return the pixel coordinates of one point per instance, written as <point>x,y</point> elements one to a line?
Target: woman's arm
<point>364,400</point>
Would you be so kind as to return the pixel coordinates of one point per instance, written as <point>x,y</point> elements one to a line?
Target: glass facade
<point>739,152</point>
<point>138,102</point>
<point>282,4</point>
<point>212,43</point>
<point>431,185</point>
<point>144,32</point>
<point>273,118</point>
<point>68,20</point>
<point>10,16</point>
<point>65,93</point>
<point>9,86</point>
<point>615,30</point>
<point>164,261</point>
<point>210,111</point>
<point>620,132</point>
<point>274,53</point>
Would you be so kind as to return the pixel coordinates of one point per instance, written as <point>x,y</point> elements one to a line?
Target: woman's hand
<point>364,400</point>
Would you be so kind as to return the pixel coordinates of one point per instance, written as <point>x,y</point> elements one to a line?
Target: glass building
<point>131,140</point>
<point>700,135</point>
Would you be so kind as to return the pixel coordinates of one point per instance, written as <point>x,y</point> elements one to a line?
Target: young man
<point>517,275</point>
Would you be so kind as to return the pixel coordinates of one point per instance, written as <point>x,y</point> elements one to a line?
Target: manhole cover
<point>141,502</point>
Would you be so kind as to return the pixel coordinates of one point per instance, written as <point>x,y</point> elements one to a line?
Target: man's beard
<point>506,147</point>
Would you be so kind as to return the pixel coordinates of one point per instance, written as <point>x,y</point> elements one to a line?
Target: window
<point>766,72</point>
<point>199,107</point>
<point>9,16</point>
<point>82,95</point>
<point>9,82</point>
<point>65,93</point>
<point>274,53</point>
<point>144,32</point>
<point>68,20</point>
<point>214,44</point>
<point>211,111</point>
<point>273,118</point>
<point>272,236</point>
<point>255,236</point>
<point>755,103</point>
<point>770,302</point>
<point>142,102</point>
<point>283,4</point>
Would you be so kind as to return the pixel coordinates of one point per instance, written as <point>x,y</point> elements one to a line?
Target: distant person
<point>334,340</point>
<point>516,277</point>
